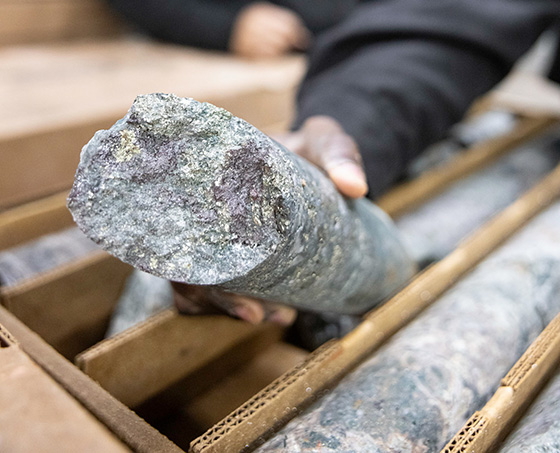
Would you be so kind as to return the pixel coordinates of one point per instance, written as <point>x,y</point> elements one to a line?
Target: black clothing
<point>395,73</point>
<point>398,73</point>
<point>208,23</point>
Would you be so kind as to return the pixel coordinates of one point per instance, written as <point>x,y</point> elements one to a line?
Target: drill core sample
<point>143,296</point>
<point>420,388</point>
<point>42,255</point>
<point>188,192</point>
<point>436,228</point>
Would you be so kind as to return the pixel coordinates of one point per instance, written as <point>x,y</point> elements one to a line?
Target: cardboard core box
<point>180,372</point>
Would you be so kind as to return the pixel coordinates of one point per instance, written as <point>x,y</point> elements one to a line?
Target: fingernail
<point>250,313</point>
<point>283,316</point>
<point>349,178</point>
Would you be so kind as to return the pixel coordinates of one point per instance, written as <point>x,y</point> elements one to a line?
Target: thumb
<point>348,177</point>
<point>339,157</point>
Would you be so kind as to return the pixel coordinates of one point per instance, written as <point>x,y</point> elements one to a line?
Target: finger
<point>330,148</point>
<point>294,141</point>
<point>248,309</point>
<point>297,33</point>
<point>198,300</point>
<point>279,40</point>
<point>288,30</point>
<point>302,39</point>
<point>269,45</point>
<point>280,314</point>
<point>349,178</point>
<point>187,300</point>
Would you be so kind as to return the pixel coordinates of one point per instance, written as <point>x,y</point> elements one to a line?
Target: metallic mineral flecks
<point>188,192</point>
<point>414,393</point>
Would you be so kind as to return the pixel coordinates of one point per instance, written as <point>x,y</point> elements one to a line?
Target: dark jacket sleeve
<point>398,73</point>
<point>201,23</point>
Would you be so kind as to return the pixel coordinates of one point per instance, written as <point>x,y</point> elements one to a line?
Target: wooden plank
<point>38,415</point>
<point>52,78</point>
<point>70,306</point>
<point>265,411</point>
<point>124,423</point>
<point>411,194</point>
<point>148,358</point>
<point>38,21</point>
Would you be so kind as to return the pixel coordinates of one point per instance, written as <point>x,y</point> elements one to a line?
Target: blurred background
<point>71,67</point>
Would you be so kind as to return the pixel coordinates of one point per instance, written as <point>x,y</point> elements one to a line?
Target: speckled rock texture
<point>186,191</point>
<point>143,296</point>
<point>539,429</point>
<point>434,229</point>
<point>419,389</point>
<point>43,254</point>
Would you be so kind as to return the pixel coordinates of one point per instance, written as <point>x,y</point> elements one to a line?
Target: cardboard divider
<point>25,174</point>
<point>411,194</point>
<point>53,20</point>
<point>29,221</point>
<point>70,306</point>
<point>151,356</point>
<point>38,415</point>
<point>125,424</point>
<point>487,427</point>
<point>211,406</point>
<point>194,416</point>
<point>272,407</point>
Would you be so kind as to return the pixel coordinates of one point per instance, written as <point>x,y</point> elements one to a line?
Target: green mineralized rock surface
<point>188,192</point>
<point>418,390</point>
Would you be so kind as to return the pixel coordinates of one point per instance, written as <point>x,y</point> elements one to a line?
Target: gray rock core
<point>188,192</point>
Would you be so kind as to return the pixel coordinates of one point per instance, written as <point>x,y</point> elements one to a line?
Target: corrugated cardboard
<point>272,407</point>
<point>32,220</point>
<point>38,415</point>
<point>151,356</point>
<point>125,424</point>
<point>487,427</point>
<point>69,306</point>
<point>211,406</point>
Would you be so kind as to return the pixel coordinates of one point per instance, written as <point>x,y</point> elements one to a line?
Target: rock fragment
<point>143,296</point>
<point>188,192</point>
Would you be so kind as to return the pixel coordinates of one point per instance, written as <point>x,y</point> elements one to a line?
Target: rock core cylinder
<point>186,191</point>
